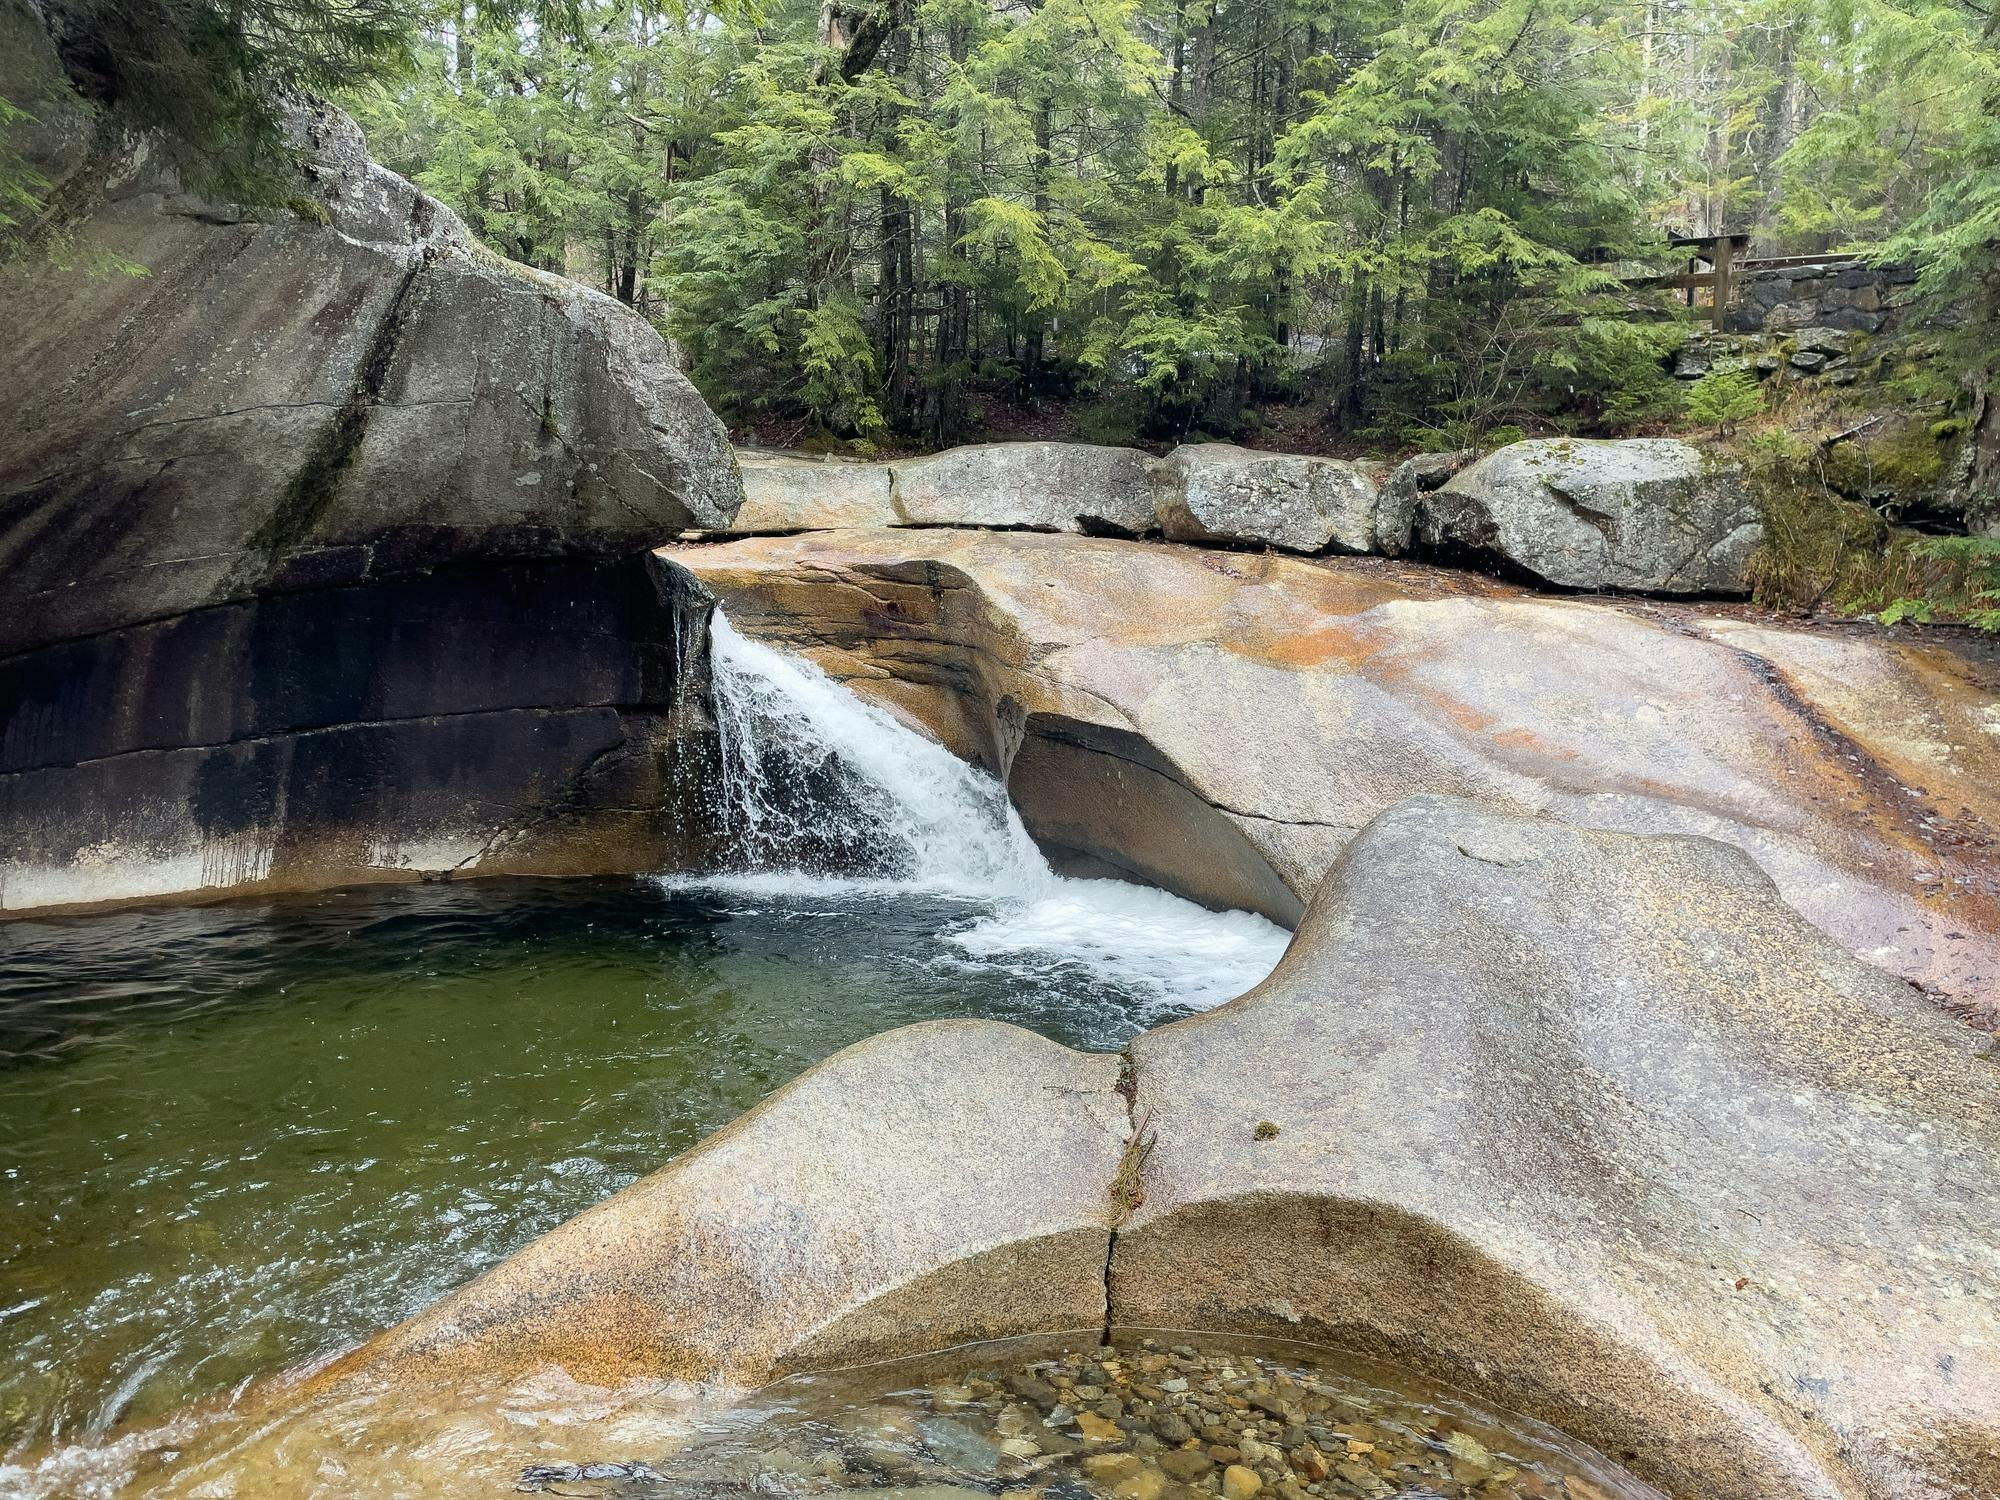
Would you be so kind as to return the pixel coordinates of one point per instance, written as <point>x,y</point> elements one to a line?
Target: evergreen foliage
<point>208,76</point>
<point>871,219</point>
<point>1968,589</point>
<point>1722,398</point>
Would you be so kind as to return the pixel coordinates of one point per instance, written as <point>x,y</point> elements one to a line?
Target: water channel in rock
<point>239,1136</point>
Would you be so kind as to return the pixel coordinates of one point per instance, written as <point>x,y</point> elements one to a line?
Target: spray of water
<point>822,793</point>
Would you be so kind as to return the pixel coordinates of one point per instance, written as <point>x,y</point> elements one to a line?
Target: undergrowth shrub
<point>1722,398</point>
<point>1822,551</point>
<point>1966,588</point>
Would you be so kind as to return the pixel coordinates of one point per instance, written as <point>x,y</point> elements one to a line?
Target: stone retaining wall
<point>1784,299</point>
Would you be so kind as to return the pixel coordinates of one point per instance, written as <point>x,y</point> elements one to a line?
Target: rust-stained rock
<point>1222,723</point>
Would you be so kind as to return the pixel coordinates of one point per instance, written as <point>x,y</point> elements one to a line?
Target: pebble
<point>1098,1429</point>
<point>1186,1464</point>
<point>1135,1422</point>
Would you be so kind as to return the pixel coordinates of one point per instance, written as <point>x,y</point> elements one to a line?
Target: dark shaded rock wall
<point>497,717</point>
<point>323,541</point>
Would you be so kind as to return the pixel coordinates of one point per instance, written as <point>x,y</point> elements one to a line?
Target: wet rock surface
<point>1589,1125</point>
<point>1140,1418</point>
<point>1223,724</point>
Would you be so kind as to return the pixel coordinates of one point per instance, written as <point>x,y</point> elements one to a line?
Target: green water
<point>236,1137</point>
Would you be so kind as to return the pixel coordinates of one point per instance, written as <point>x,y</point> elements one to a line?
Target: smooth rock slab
<point>1218,492</point>
<point>1651,515</point>
<point>1038,486</point>
<point>1597,1117</point>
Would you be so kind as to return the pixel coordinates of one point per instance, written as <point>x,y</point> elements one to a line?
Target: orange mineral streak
<point>1302,696</point>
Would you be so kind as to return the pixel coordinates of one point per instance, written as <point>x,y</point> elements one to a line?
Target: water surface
<point>239,1136</point>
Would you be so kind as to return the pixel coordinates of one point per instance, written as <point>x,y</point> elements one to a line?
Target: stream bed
<point>1146,1415</point>
<point>1161,1416</point>
<point>239,1136</point>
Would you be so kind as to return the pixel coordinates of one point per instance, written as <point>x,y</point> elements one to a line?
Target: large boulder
<point>1403,492</point>
<point>1650,515</point>
<point>323,542</point>
<point>1589,1125</point>
<point>1038,486</point>
<point>1031,486</point>
<point>1218,492</point>
<point>280,402</point>
<point>782,493</point>
<point>1598,1125</point>
<point>1223,723</point>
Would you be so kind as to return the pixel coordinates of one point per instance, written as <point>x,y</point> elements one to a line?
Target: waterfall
<point>821,793</point>
<point>817,782</point>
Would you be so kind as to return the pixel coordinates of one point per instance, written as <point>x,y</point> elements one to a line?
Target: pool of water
<point>239,1136</point>
<point>1144,1417</point>
<point>1148,1415</point>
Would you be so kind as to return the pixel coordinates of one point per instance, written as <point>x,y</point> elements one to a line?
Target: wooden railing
<point>1722,253</point>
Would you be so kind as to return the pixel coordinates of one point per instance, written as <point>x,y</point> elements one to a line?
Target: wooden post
<point>1724,249</point>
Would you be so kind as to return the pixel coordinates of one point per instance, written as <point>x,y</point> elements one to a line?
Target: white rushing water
<point>825,794</point>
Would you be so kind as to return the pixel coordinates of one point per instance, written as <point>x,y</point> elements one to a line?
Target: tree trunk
<point>462,47</point>
<point>1044,136</point>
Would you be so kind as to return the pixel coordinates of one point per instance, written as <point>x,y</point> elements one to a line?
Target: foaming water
<point>822,792</point>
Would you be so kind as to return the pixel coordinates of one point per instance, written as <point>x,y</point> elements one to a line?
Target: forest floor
<point>1000,415</point>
